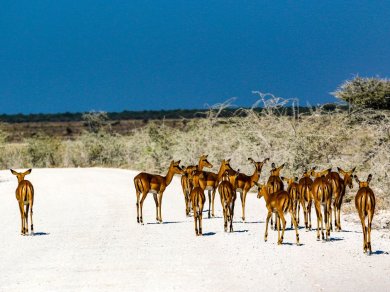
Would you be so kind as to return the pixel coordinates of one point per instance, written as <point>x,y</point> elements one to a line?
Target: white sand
<point>88,239</point>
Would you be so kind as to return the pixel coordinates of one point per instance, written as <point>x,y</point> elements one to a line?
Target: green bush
<point>44,151</point>
<point>365,92</point>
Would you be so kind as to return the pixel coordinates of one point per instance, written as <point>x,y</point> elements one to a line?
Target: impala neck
<point>200,165</point>
<point>221,172</point>
<point>169,176</point>
<point>256,175</point>
<point>265,194</point>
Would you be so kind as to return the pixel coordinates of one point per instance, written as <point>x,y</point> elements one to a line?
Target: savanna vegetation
<point>359,137</point>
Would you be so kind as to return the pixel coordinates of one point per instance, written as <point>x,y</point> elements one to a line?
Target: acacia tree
<point>365,92</point>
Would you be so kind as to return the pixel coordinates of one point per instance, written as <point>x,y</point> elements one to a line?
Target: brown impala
<point>292,190</point>
<point>280,203</point>
<point>338,187</point>
<point>304,189</point>
<point>365,205</point>
<point>156,184</point>
<point>322,196</point>
<point>245,182</point>
<point>198,199</point>
<point>25,197</point>
<point>226,190</point>
<point>186,180</point>
<point>275,184</point>
<point>210,180</point>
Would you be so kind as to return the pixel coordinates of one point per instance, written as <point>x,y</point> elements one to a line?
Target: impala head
<point>189,169</point>
<point>258,165</point>
<point>289,180</point>
<point>204,162</point>
<point>225,164</point>
<point>275,171</point>
<point>347,176</point>
<point>175,166</point>
<point>20,175</point>
<point>261,189</point>
<point>320,173</point>
<point>363,184</point>
<point>307,173</point>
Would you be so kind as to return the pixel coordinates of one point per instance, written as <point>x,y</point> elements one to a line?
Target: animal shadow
<point>241,231</point>
<point>379,252</point>
<point>40,233</point>
<point>208,234</point>
<point>164,222</point>
<point>336,239</point>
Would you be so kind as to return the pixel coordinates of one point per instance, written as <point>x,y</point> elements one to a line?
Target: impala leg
<point>284,222</point>
<point>31,219</point>
<point>212,201</point>
<point>362,219</point>
<point>21,209</point>
<point>304,214</point>
<point>272,222</point>
<point>231,217</point>
<point>26,218</point>
<point>297,215</point>
<point>296,228</point>
<point>225,218</point>
<point>370,215</point>
<point>209,193</point>
<point>269,215</point>
<point>156,203</point>
<point>329,221</point>
<point>277,222</point>
<point>160,197</point>
<point>335,217</point>
<point>243,200</point>
<point>339,217</point>
<point>309,213</point>
<point>319,218</point>
<point>200,219</point>
<point>137,204</point>
<point>326,219</point>
<point>195,220</point>
<point>141,204</point>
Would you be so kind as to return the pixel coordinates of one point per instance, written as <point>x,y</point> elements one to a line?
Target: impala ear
<point>13,172</point>
<point>273,165</point>
<point>280,167</point>
<point>228,161</point>
<point>265,160</point>
<point>369,178</point>
<point>356,178</point>
<point>340,170</point>
<point>296,178</point>
<point>283,178</point>
<point>353,169</point>
<point>257,184</point>
<point>251,160</point>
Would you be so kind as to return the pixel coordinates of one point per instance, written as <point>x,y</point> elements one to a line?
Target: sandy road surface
<point>88,239</point>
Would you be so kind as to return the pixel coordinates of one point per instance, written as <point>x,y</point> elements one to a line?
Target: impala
<point>25,197</point>
<point>304,189</point>
<point>198,199</point>
<point>246,182</point>
<point>293,192</point>
<point>275,184</point>
<point>156,184</point>
<point>186,180</point>
<point>278,203</point>
<point>365,205</point>
<point>228,196</point>
<point>338,187</point>
<point>210,180</point>
<point>322,196</point>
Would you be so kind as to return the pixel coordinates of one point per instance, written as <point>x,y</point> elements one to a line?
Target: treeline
<point>151,114</point>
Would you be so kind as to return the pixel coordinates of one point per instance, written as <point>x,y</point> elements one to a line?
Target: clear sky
<point>58,56</point>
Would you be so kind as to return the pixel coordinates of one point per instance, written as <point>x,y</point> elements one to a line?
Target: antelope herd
<point>326,191</point>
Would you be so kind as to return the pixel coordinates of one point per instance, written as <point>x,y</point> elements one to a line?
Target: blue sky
<point>58,56</point>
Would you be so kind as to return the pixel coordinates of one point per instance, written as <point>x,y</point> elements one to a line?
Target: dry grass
<point>359,138</point>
